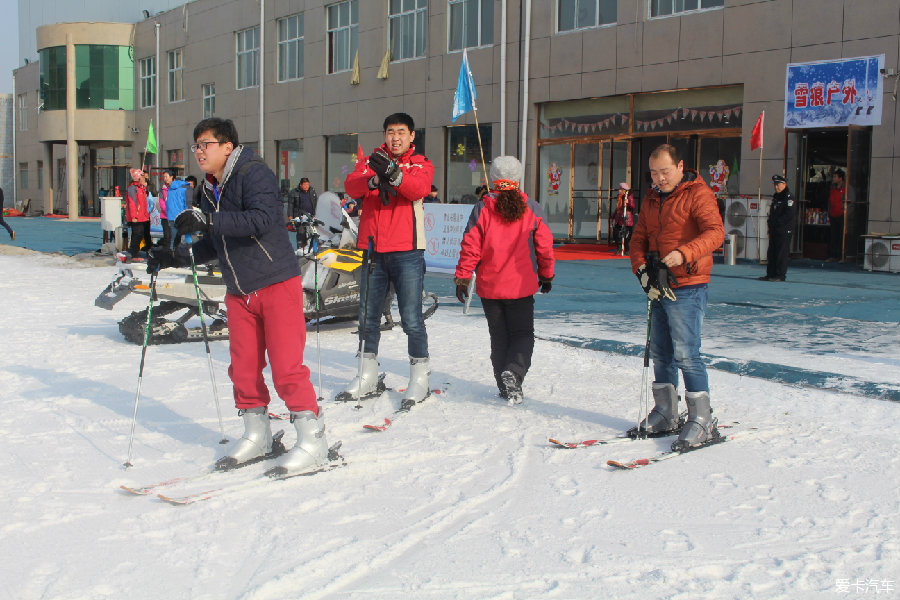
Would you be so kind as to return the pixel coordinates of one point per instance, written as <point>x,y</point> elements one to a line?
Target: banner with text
<point>833,93</point>
<point>444,228</point>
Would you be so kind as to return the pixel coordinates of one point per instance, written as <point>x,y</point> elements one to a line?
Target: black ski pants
<point>511,326</point>
<point>778,256</point>
<point>140,230</point>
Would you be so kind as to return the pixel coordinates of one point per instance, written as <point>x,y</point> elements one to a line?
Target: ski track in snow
<point>462,498</point>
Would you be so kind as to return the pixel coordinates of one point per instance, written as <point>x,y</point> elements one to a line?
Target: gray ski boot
<point>700,428</point>
<point>418,388</point>
<point>255,443</point>
<point>663,419</point>
<point>310,452</point>
<point>513,386</point>
<point>371,384</point>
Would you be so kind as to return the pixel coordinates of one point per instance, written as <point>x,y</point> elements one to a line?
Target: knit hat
<point>136,173</point>
<point>506,167</point>
<point>624,186</point>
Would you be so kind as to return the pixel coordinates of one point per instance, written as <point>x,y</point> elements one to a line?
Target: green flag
<point>151,140</point>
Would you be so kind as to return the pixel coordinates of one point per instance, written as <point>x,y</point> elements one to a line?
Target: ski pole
<point>137,395</point>
<point>370,266</point>
<point>212,374</point>
<point>644,406</point>
<point>315,249</point>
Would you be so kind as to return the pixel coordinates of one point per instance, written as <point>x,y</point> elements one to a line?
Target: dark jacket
<point>248,234</point>
<point>303,202</point>
<point>781,213</point>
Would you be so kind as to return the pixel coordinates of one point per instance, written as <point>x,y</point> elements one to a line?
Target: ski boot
<point>256,441</point>
<point>310,452</point>
<point>501,387</point>
<point>513,386</point>
<point>700,428</point>
<point>663,419</point>
<point>418,389</point>
<point>371,384</point>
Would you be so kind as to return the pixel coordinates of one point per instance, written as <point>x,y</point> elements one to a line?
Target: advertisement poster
<point>834,93</point>
<point>444,228</point>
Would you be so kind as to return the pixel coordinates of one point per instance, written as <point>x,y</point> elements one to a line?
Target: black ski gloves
<point>462,288</point>
<point>385,167</point>
<point>656,280</point>
<point>546,284</point>
<point>160,258</point>
<point>193,220</point>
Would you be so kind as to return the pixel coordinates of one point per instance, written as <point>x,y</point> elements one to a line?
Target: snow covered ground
<point>463,498</point>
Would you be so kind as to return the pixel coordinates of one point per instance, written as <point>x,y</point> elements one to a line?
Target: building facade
<point>582,90</point>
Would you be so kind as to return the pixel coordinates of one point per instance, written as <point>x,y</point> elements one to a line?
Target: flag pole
<point>759,209</point>
<point>471,83</point>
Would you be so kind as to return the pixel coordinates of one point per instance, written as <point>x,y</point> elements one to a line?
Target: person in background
<point>509,243</point>
<point>433,195</point>
<point>836,195</point>
<point>781,225</point>
<point>623,223</point>
<point>177,200</point>
<point>12,234</point>
<point>168,176</point>
<point>137,214</point>
<point>671,255</point>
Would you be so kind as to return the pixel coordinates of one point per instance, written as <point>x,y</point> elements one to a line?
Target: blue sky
<point>9,43</point>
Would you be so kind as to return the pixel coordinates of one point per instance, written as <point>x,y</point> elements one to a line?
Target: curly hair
<point>510,205</point>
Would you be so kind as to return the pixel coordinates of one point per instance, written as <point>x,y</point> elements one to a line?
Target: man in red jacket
<point>680,223</point>
<point>391,184</point>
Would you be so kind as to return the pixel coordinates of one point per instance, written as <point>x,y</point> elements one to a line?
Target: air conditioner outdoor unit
<point>743,220</point>
<point>882,254</point>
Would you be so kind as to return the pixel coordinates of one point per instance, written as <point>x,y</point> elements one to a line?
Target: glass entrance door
<point>859,153</point>
<point>585,206</point>
<point>553,187</point>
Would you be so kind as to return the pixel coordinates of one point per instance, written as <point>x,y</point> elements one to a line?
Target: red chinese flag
<point>756,138</point>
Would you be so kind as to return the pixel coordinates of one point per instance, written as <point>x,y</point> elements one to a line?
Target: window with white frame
<point>343,30</point>
<point>247,58</point>
<point>290,48</point>
<point>23,112</point>
<point>148,81</point>
<point>665,8</point>
<point>408,22</point>
<point>579,14</point>
<point>176,75</point>
<point>208,91</point>
<point>23,175</point>
<point>471,24</point>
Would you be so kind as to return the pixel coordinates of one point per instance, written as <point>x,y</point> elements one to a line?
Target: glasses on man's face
<point>203,145</point>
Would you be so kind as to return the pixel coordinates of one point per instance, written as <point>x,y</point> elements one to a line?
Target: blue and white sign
<point>445,225</point>
<point>834,93</point>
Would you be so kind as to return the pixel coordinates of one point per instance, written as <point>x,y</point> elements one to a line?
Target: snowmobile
<point>330,267</point>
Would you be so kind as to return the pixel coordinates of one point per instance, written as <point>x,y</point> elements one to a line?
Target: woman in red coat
<point>507,239</point>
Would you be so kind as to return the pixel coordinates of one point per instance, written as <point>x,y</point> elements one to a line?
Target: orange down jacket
<point>688,221</point>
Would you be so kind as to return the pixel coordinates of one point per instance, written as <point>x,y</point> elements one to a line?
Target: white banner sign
<point>444,228</point>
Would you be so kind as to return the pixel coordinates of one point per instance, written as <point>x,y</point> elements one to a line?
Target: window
<point>578,14</point>
<point>176,75</point>
<point>148,82</point>
<point>40,174</point>
<point>663,8</point>
<point>340,160</point>
<point>247,58</point>
<point>104,77</point>
<point>23,112</point>
<point>53,78</point>
<point>408,20</point>
<point>23,175</point>
<point>343,26</point>
<point>209,100</point>
<point>290,163</point>
<point>471,24</point>
<point>175,160</point>
<point>463,168</point>
<point>290,48</point>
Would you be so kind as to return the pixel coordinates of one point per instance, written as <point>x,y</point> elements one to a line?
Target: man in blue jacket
<point>241,219</point>
<point>176,203</point>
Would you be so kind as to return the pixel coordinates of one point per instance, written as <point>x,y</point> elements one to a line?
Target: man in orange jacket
<point>680,224</point>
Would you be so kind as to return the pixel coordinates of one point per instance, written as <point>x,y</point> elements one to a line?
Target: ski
<point>335,461</point>
<point>644,462</point>
<point>405,407</point>
<point>620,438</point>
<point>277,450</point>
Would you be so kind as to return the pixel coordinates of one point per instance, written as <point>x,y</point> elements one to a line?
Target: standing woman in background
<point>508,241</point>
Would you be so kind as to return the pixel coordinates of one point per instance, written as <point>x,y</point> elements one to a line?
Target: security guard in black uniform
<point>782,215</point>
